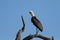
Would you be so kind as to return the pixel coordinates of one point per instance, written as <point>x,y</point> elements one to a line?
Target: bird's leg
<point>37,31</point>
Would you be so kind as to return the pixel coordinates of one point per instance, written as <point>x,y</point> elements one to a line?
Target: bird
<point>35,21</point>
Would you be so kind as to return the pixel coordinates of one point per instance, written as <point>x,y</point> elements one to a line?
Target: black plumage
<point>37,23</point>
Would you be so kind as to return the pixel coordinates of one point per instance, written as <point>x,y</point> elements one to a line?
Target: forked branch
<point>38,36</point>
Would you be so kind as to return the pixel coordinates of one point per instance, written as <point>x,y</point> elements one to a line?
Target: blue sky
<point>47,11</point>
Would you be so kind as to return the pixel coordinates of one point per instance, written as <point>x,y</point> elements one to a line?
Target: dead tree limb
<point>18,36</point>
<point>38,36</point>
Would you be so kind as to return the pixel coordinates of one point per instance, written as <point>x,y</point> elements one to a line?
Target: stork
<point>35,21</point>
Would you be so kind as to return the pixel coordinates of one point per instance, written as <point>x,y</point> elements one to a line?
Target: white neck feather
<point>31,12</point>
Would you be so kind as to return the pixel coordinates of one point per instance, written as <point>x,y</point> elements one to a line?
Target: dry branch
<point>18,36</point>
<point>38,36</point>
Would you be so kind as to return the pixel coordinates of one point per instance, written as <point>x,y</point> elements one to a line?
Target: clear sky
<point>47,11</point>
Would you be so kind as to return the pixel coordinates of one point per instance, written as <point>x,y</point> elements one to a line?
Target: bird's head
<point>32,13</point>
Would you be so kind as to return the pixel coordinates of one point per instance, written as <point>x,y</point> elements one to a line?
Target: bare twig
<point>18,36</point>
